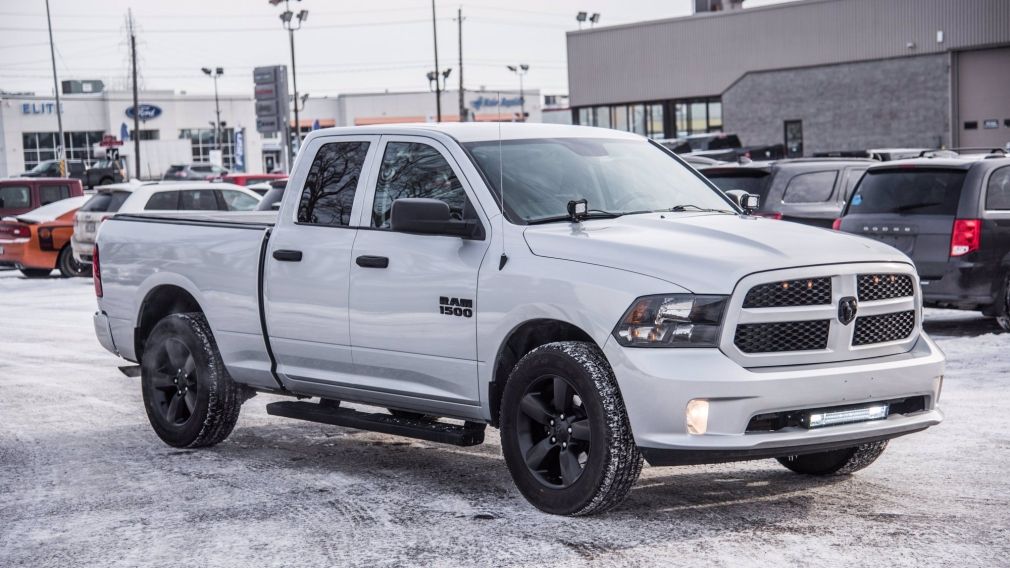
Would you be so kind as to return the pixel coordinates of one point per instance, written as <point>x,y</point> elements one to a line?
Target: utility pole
<point>462,104</point>
<point>520,70</point>
<point>136,98</point>
<point>438,89</point>
<point>56,87</point>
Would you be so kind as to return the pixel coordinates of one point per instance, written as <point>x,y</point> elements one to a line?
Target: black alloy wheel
<point>553,431</point>
<point>175,382</point>
<point>69,266</point>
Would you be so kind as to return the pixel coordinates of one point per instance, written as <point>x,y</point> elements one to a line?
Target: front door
<point>413,297</point>
<point>308,258</point>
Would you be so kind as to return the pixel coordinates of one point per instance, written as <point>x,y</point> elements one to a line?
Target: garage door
<point>983,94</point>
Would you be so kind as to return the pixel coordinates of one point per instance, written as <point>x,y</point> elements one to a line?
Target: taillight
<point>965,237</point>
<point>96,271</point>
<point>21,231</point>
<point>836,225</point>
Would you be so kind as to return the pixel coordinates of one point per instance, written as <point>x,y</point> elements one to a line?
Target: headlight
<point>672,320</point>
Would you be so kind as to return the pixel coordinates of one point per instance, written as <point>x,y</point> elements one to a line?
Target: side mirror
<point>746,201</point>
<point>428,217</point>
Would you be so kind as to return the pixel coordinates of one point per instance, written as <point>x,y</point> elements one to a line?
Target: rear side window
<point>923,191</point>
<point>813,187</point>
<point>76,167</point>
<point>413,170</point>
<point>15,197</point>
<point>238,201</point>
<point>53,193</point>
<point>118,198</point>
<point>328,194</point>
<point>755,182</point>
<point>997,196</point>
<point>98,203</point>
<point>162,201</point>
<point>198,200</point>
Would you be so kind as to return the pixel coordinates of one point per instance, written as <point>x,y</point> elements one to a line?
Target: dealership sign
<point>147,112</point>
<point>48,107</point>
<point>483,101</point>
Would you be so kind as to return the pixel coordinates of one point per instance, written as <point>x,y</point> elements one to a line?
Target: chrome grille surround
<point>840,345</point>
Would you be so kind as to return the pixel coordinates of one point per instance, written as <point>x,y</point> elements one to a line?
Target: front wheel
<point>836,462</point>
<point>565,432</point>
<point>69,266</point>
<point>189,397</point>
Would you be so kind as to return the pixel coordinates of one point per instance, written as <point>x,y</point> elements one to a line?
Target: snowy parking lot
<point>84,481</point>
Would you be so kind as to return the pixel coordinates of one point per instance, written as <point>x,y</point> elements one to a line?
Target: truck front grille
<point>782,336</point>
<point>872,287</point>
<point>793,316</point>
<point>883,328</point>
<point>802,292</point>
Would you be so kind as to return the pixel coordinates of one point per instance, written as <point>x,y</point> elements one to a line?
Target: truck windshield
<point>922,191</point>
<point>540,176</point>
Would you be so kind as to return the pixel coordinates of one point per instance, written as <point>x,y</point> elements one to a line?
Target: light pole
<point>56,90</point>
<point>286,20</point>
<point>215,73</point>
<point>438,89</point>
<point>521,71</point>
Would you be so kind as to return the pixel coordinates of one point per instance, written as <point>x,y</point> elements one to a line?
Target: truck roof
<point>483,131</point>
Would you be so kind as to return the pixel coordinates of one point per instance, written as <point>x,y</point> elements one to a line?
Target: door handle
<point>288,255</point>
<point>372,261</point>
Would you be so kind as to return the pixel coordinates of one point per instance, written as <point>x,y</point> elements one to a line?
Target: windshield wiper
<point>592,214</point>
<point>681,208</point>
<point>915,206</point>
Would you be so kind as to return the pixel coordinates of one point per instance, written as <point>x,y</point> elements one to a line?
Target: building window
<point>150,134</point>
<point>204,140</point>
<point>663,119</point>
<point>41,146</point>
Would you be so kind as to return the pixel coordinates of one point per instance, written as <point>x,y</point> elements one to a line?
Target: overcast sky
<point>344,47</point>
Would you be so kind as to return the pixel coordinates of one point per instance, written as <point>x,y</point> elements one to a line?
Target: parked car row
<point>50,224</point>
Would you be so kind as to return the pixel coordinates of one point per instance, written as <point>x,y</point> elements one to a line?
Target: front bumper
<point>657,385</point>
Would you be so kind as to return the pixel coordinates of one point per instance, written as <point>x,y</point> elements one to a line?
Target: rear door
<point>911,208</point>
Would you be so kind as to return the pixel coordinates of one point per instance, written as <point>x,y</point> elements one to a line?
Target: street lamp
<point>521,71</point>
<point>215,73</point>
<point>293,22</point>
<point>594,19</point>
<point>581,18</point>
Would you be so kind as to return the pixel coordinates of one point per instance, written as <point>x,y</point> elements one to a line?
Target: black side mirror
<point>429,217</point>
<point>746,201</point>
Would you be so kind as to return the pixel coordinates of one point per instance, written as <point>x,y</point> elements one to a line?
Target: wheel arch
<point>522,339</point>
<point>160,301</point>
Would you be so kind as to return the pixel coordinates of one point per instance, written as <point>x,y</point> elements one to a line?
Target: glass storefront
<point>203,140</point>
<point>661,119</point>
<point>41,146</point>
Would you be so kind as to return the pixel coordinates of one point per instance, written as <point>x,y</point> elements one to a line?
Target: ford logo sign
<point>147,112</point>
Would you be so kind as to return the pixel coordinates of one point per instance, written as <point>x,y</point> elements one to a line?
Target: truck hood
<point>703,253</point>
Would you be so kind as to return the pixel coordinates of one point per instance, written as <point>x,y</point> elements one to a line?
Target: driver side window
<point>410,169</point>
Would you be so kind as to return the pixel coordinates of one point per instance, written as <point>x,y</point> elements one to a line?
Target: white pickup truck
<point>622,307</point>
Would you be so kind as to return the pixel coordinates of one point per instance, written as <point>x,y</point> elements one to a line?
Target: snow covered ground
<point>85,482</point>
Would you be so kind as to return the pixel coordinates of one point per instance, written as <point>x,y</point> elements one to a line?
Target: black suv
<point>952,217</point>
<point>811,191</point>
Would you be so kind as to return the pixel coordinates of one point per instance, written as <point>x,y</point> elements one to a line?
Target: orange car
<point>39,241</point>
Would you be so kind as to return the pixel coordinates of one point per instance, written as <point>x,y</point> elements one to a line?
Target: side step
<point>469,434</point>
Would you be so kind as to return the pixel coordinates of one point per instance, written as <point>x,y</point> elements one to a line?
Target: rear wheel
<point>836,462</point>
<point>189,397</point>
<point>565,433</point>
<point>1002,307</point>
<point>35,272</point>
<point>69,266</point>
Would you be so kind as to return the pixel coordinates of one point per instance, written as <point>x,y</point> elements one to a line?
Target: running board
<point>469,434</point>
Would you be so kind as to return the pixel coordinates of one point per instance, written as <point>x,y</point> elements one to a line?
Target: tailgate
<point>911,209</point>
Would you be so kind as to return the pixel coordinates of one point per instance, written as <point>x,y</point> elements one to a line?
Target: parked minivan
<point>952,217</point>
<point>811,191</point>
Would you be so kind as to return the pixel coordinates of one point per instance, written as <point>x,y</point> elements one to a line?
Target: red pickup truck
<point>21,195</point>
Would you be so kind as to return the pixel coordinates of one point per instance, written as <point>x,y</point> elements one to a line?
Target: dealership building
<point>179,127</point>
<point>814,75</point>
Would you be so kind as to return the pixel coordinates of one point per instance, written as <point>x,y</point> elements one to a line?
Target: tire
<point>836,462</point>
<point>69,266</point>
<point>584,462</point>
<point>36,272</point>
<point>105,181</point>
<point>190,399</point>
<point>1002,306</point>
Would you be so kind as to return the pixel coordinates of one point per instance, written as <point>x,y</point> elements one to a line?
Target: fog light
<point>876,412</point>
<point>697,416</point>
